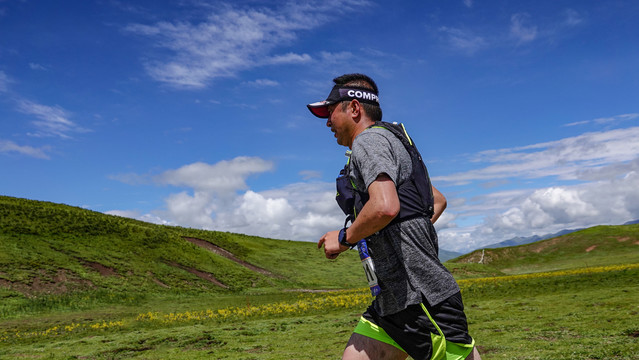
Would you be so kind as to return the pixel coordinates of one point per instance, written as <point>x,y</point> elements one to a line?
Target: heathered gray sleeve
<point>372,156</point>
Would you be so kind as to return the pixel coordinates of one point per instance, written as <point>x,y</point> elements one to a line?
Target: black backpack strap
<point>416,198</point>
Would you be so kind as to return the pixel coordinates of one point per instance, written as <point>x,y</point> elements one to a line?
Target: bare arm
<point>380,209</point>
<point>440,204</point>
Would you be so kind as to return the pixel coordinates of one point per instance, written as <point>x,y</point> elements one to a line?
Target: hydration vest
<point>415,193</point>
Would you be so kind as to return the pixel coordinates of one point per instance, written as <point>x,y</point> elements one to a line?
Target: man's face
<point>338,121</point>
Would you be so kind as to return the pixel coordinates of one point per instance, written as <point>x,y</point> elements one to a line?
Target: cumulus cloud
<point>217,198</point>
<point>220,178</point>
<point>301,211</point>
<point>191,210</point>
<point>549,210</point>
<point>137,215</point>
<point>595,174</point>
<point>231,39</point>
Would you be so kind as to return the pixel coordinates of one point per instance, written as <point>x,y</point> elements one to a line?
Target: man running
<point>419,310</point>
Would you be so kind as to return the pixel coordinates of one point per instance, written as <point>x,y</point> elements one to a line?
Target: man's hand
<point>332,247</point>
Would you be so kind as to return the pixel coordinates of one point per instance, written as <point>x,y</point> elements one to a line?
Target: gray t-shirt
<point>404,253</point>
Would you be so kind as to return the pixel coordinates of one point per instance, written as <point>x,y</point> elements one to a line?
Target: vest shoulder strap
<point>419,175</point>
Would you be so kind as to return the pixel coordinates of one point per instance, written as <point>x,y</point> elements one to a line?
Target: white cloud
<point>549,210</point>
<point>335,57</point>
<point>136,215</point>
<point>463,40</point>
<point>545,208</point>
<point>267,215</point>
<point>310,174</point>
<point>289,58</point>
<point>573,17</point>
<point>301,211</point>
<point>260,83</point>
<point>566,158</point>
<point>191,210</point>
<point>521,29</point>
<point>4,82</point>
<point>7,146</point>
<point>604,164</point>
<point>35,66</point>
<point>221,178</point>
<point>53,120</point>
<point>232,39</point>
<point>607,120</point>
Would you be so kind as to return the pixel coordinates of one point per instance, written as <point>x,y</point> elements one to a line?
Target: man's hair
<point>361,80</point>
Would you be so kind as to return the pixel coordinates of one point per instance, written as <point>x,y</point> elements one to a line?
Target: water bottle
<point>369,268</point>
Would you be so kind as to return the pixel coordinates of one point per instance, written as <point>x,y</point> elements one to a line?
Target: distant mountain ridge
<point>601,245</point>
<point>529,239</point>
<point>445,255</point>
<point>519,240</point>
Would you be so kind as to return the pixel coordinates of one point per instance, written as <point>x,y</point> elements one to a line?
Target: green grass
<point>584,316</point>
<point>591,316</point>
<point>56,304</point>
<point>51,257</point>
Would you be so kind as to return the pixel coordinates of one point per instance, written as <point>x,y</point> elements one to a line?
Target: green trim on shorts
<point>438,340</point>
<point>442,348</point>
<point>455,351</point>
<point>371,330</point>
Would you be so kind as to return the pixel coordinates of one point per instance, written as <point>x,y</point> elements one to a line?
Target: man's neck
<point>361,125</point>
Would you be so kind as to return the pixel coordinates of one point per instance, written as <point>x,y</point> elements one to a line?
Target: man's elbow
<point>439,199</point>
<point>441,203</point>
<point>390,210</point>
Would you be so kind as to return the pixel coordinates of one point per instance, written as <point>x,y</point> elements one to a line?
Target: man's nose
<point>328,122</point>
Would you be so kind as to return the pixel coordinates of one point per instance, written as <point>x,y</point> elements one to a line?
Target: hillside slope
<point>596,246</point>
<point>54,248</point>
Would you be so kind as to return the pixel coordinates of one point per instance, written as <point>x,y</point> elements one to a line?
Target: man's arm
<point>440,204</point>
<point>380,209</point>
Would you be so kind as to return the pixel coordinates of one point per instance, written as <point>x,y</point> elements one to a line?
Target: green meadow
<point>76,284</point>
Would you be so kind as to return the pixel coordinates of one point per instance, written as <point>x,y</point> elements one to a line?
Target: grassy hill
<point>48,248</point>
<point>596,246</point>
<point>80,284</point>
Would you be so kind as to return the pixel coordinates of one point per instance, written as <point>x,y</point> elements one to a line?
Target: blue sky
<point>192,113</point>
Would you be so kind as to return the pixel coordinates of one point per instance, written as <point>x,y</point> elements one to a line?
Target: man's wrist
<point>342,238</point>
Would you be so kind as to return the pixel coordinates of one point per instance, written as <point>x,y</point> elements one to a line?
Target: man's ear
<point>356,109</point>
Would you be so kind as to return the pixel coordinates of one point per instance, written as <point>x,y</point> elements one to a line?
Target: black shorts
<point>422,331</point>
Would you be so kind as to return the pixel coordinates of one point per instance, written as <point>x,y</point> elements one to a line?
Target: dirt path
<point>201,274</point>
<point>227,254</point>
